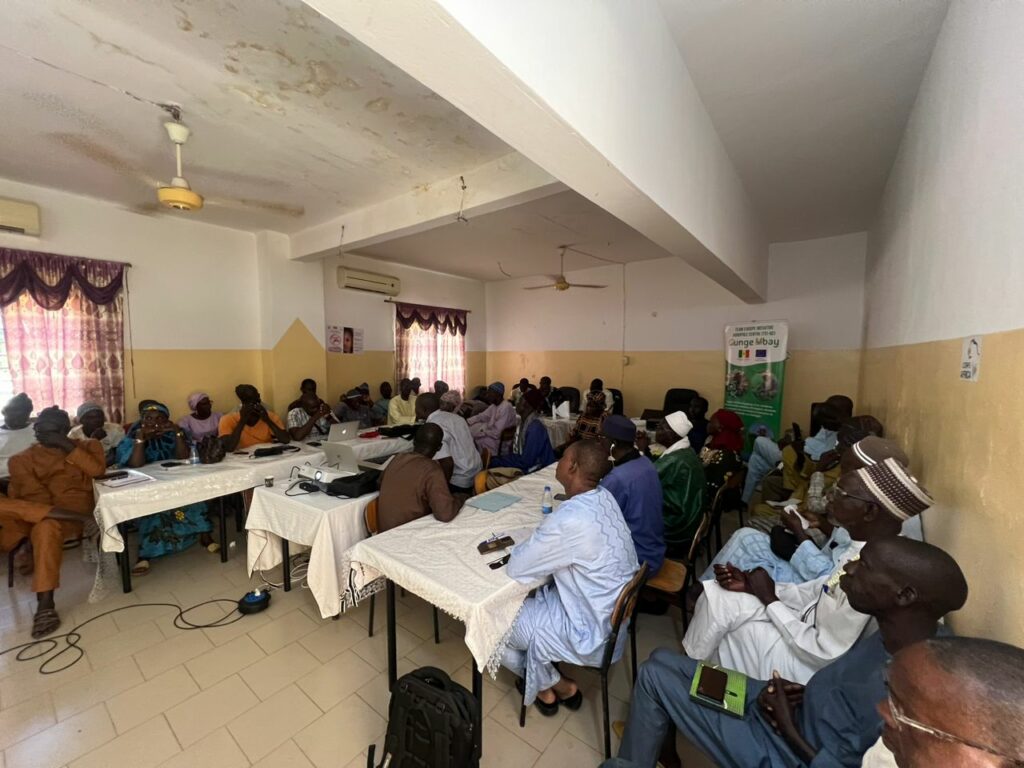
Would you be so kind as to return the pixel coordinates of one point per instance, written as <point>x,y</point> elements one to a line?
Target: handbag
<point>355,485</point>
<point>783,542</point>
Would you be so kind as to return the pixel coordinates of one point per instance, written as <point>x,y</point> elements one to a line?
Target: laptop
<point>652,417</point>
<point>341,432</point>
<point>341,457</point>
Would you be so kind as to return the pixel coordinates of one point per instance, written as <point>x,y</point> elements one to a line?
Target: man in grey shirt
<point>458,457</point>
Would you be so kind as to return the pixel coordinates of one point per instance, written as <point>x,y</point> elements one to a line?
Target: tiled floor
<point>280,689</point>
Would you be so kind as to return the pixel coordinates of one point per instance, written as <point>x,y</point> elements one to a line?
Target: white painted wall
<point>193,285</point>
<point>288,290</point>
<point>376,317</point>
<point>817,285</point>
<point>946,251</point>
<point>612,71</point>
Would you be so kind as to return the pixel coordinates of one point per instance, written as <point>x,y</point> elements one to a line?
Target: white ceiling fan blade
<point>537,287</point>
<point>279,209</point>
<point>584,285</point>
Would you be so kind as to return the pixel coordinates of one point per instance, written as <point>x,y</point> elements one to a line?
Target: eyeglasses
<point>835,493</point>
<point>902,719</point>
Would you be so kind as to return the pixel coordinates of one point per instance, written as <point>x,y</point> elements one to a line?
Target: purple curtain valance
<point>48,277</point>
<point>445,320</point>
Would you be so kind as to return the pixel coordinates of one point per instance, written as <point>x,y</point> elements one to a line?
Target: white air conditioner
<point>18,216</point>
<point>368,281</point>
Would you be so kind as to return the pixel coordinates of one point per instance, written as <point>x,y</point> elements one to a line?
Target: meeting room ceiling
<point>288,113</point>
<point>523,240</point>
<point>810,98</point>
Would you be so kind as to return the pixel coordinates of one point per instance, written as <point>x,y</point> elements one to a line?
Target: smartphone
<point>496,564</point>
<point>797,432</point>
<point>560,497</point>
<point>172,464</point>
<point>114,475</point>
<point>711,684</point>
<point>493,545</point>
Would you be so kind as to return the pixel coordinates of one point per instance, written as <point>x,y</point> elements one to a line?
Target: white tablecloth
<point>558,429</point>
<point>440,563</point>
<point>274,466</point>
<point>327,524</point>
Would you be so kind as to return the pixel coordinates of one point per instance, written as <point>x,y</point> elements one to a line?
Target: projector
<point>320,474</point>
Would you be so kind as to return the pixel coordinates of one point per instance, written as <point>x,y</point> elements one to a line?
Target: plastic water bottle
<point>193,456</point>
<point>546,505</point>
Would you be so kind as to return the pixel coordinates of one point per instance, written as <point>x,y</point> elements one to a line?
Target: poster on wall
<point>970,359</point>
<point>334,338</point>
<point>755,370</point>
<point>357,340</point>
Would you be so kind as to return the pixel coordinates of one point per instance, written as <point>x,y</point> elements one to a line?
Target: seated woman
<point>154,437</point>
<point>588,425</point>
<point>201,421</point>
<point>720,455</point>
<point>93,424</point>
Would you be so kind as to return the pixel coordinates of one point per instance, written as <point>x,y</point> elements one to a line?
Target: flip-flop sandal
<point>46,622</point>
<point>213,547</point>
<point>141,568</point>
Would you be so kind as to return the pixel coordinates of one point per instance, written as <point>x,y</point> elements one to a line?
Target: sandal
<point>213,547</point>
<point>46,622</point>
<point>141,568</point>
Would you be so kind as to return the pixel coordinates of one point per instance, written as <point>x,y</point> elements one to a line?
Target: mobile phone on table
<point>496,564</point>
<point>170,464</point>
<point>114,475</point>
<point>493,545</point>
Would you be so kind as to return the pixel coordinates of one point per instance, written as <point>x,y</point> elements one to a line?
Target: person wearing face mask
<point>93,424</point>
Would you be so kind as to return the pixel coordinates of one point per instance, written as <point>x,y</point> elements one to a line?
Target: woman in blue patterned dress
<point>154,437</point>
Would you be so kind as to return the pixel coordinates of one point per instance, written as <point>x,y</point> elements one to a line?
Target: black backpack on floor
<point>431,724</point>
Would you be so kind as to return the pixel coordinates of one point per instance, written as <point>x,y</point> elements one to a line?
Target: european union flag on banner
<point>761,354</point>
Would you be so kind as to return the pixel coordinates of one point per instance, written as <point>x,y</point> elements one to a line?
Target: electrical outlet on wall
<point>625,359</point>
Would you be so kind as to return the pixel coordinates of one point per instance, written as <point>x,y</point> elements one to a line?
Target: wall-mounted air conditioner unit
<point>368,281</point>
<point>18,216</point>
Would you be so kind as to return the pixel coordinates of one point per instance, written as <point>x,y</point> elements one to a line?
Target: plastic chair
<point>678,399</point>
<point>507,436</point>
<point>370,520</point>
<point>675,577</point>
<point>618,404</point>
<point>624,610</point>
<point>480,482</point>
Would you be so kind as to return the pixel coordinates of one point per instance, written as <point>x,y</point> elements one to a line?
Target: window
<point>430,343</point>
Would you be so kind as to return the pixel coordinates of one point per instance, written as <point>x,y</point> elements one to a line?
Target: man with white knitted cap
<point>746,622</point>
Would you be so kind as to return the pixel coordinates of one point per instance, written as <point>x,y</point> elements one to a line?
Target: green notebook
<point>735,692</point>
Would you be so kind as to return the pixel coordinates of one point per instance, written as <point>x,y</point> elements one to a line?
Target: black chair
<point>617,402</point>
<point>624,610</point>
<point>678,399</point>
<point>730,490</point>
<point>573,396</point>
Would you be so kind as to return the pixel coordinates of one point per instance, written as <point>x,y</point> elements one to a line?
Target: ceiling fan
<point>561,284</point>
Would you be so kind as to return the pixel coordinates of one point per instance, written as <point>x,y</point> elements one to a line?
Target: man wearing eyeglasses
<point>747,622</point>
<point>906,585</point>
<point>953,701</point>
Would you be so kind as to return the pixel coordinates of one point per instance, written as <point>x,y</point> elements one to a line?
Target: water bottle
<point>193,456</point>
<point>546,504</point>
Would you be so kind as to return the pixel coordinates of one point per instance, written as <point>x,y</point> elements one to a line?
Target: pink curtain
<point>67,356</point>
<point>430,342</point>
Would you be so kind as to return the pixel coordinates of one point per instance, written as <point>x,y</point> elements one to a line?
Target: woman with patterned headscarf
<point>588,425</point>
<point>201,421</point>
<point>154,437</point>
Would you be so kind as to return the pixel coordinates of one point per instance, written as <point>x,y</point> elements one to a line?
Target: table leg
<point>125,561</point>
<point>223,532</point>
<point>286,570</point>
<point>478,694</point>
<point>392,639</point>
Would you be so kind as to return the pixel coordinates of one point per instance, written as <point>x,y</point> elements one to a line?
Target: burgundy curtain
<point>430,342</point>
<point>64,329</point>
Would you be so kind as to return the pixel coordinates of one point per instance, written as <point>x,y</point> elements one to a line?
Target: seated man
<point>519,390</point>
<point>93,425</point>
<point>440,387</point>
<point>308,386</point>
<point>416,384</point>
<point>597,385</point>
<point>450,402</point>
<point>634,483</point>
<point>585,547</point>
<point>552,397</point>
<point>750,548</point>
<point>458,456</point>
<point>252,423</point>
<point>311,420</point>
<point>48,500</point>
<point>682,482</point>
<point>532,447</point>
<point>980,726</point>
<point>697,413</point>
<point>499,416</point>
<point>16,433</point>
<point>588,423</point>
<point>750,624</point>
<point>402,409</point>
<point>379,412</point>
<point>413,485</point>
<point>906,585</point>
<point>353,407</point>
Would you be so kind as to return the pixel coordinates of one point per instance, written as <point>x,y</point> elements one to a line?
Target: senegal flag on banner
<point>755,367</point>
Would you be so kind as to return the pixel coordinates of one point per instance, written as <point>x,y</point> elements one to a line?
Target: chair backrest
<point>480,481</point>
<point>678,399</point>
<point>485,458</point>
<point>573,396</point>
<point>623,611</point>
<point>618,406</point>
<point>370,518</point>
<point>507,436</point>
<point>699,536</point>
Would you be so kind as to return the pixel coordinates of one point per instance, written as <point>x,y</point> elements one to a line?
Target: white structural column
<point>594,92</point>
<point>507,181</point>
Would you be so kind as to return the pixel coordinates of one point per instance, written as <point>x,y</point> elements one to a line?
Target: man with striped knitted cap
<point>747,622</point>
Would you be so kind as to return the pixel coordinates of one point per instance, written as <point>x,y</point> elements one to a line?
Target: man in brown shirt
<point>414,485</point>
<point>49,498</point>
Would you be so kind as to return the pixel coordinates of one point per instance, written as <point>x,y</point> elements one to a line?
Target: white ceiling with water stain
<point>523,240</point>
<point>293,121</point>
